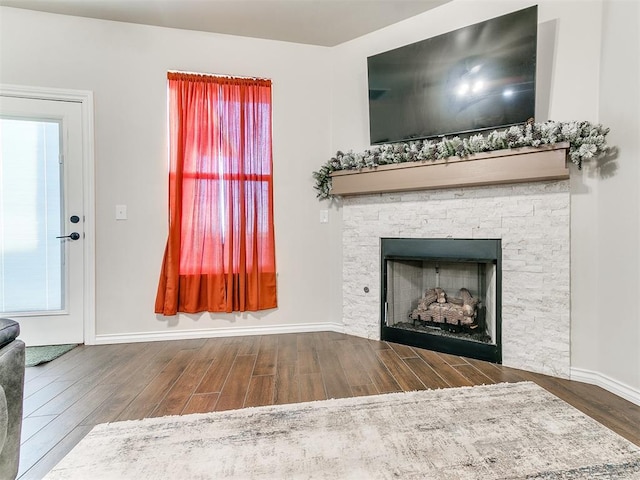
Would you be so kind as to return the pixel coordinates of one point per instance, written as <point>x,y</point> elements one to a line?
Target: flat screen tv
<point>475,78</point>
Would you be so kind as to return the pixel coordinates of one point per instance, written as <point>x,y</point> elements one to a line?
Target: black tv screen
<point>475,78</point>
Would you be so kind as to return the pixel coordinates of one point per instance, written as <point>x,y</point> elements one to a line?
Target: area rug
<point>38,355</point>
<point>504,431</point>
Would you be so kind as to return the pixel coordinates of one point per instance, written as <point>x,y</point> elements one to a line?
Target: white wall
<point>605,338</point>
<point>125,66</point>
<point>616,328</point>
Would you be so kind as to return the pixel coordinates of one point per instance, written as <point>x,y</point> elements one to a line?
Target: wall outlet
<point>121,212</point>
<point>324,216</point>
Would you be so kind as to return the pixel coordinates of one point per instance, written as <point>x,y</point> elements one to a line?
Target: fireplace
<point>532,221</point>
<point>443,295</point>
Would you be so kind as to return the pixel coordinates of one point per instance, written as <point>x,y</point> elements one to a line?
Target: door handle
<point>72,236</point>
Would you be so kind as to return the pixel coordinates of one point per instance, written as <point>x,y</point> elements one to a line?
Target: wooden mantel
<point>515,165</point>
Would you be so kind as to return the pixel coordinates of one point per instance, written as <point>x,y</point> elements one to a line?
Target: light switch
<point>121,212</point>
<point>324,216</point>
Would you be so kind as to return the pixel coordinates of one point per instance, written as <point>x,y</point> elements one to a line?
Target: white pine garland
<point>586,141</point>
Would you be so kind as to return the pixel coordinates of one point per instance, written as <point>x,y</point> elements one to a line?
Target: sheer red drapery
<point>220,253</point>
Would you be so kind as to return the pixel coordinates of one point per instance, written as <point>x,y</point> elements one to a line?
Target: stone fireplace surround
<point>533,221</point>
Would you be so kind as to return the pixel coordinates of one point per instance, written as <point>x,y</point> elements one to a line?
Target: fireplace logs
<point>436,307</point>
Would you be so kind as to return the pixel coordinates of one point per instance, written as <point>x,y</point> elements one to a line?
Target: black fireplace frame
<point>449,250</point>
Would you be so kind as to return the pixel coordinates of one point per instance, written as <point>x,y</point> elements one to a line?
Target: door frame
<point>85,99</point>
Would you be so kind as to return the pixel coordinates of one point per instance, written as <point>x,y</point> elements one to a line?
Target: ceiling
<point>316,22</point>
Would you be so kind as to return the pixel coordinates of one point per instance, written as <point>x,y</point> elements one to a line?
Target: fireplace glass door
<point>445,299</point>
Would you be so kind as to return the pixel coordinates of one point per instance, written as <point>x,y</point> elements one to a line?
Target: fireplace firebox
<point>443,294</point>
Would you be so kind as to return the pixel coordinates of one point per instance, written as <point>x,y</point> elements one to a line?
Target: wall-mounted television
<point>475,78</point>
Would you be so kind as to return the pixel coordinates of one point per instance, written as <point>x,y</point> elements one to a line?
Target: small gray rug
<point>505,431</point>
<point>38,355</point>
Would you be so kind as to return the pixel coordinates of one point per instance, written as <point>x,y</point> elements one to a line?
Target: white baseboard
<point>614,386</point>
<point>216,332</point>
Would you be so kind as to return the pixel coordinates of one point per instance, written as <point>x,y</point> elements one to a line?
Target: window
<point>220,254</point>
<point>31,211</point>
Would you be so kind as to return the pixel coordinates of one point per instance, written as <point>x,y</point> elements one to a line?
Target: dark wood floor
<point>65,398</point>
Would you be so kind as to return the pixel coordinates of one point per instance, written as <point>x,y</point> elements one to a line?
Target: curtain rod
<point>223,75</point>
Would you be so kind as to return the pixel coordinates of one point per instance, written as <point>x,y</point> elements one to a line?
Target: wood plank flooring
<point>65,398</point>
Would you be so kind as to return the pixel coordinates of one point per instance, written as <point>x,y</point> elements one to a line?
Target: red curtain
<point>220,254</point>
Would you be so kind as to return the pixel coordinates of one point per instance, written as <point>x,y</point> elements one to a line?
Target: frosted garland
<point>586,141</point>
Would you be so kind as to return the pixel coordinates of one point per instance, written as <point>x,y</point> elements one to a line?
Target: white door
<point>42,219</point>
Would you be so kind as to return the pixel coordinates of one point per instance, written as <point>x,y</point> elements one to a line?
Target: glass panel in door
<point>31,217</point>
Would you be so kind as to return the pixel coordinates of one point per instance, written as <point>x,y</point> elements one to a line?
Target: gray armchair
<point>11,393</point>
